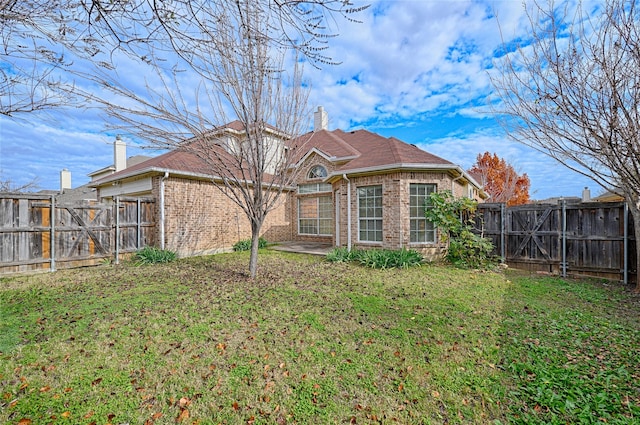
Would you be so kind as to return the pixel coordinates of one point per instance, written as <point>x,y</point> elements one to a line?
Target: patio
<point>313,248</point>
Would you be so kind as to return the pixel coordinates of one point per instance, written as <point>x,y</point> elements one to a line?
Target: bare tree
<point>27,78</point>
<point>235,50</point>
<point>235,81</point>
<point>572,91</point>
<point>8,185</point>
<point>42,40</point>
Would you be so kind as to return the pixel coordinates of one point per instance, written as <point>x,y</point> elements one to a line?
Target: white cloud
<point>416,68</point>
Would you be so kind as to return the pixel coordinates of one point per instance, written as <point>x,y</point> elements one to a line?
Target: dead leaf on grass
<point>184,402</point>
<point>184,415</point>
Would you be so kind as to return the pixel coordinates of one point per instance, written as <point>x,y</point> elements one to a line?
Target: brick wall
<point>200,218</point>
<point>395,198</point>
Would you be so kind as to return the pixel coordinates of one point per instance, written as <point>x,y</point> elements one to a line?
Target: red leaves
<point>500,180</point>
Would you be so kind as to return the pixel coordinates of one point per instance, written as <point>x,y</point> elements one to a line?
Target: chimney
<point>320,119</point>
<point>586,195</point>
<point>65,180</point>
<point>119,154</point>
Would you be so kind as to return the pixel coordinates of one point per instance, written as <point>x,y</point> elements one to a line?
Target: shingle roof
<point>355,150</point>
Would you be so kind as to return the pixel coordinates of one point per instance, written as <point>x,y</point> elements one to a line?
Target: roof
<point>176,161</point>
<point>132,160</point>
<point>358,151</point>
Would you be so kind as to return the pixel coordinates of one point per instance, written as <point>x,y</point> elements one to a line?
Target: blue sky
<point>417,70</point>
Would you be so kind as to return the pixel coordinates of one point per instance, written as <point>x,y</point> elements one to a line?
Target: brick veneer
<point>395,198</point>
<point>200,218</point>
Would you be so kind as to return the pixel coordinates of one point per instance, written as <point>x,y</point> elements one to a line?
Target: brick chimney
<point>320,119</point>
<point>119,154</point>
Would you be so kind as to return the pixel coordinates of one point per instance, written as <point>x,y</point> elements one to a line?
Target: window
<point>315,216</point>
<point>317,172</point>
<point>420,229</point>
<point>314,188</point>
<point>370,213</point>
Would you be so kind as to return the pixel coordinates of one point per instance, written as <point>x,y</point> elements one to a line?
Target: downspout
<point>344,176</point>
<point>162,179</point>
<point>453,182</point>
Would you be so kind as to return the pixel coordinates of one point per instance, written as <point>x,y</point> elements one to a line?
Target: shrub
<point>469,250</point>
<point>341,255</point>
<point>152,255</point>
<point>245,244</point>
<point>454,217</point>
<point>377,258</point>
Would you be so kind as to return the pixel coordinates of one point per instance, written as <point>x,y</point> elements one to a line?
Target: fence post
<point>503,228</point>
<point>564,237</point>
<point>138,226</point>
<point>626,245</point>
<point>117,259</point>
<point>52,239</point>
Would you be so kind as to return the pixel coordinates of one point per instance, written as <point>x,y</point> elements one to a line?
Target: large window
<point>315,216</point>
<point>421,230</point>
<point>370,213</point>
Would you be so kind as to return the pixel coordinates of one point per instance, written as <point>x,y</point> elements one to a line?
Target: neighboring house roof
<point>77,194</point>
<point>131,161</point>
<point>609,196</point>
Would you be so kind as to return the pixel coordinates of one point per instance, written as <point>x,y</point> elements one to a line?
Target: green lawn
<point>196,342</point>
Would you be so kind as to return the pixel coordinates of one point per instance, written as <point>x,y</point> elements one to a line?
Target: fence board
<point>84,233</point>
<point>580,239</point>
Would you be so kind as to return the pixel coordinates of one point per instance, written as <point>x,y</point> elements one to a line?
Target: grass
<point>197,342</point>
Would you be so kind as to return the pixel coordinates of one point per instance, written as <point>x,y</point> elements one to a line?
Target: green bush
<point>152,255</point>
<point>377,258</point>
<point>454,217</point>
<point>469,250</point>
<point>245,245</point>
<point>341,255</point>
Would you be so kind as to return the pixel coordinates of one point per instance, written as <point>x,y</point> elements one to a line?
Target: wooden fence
<point>584,239</point>
<point>36,233</point>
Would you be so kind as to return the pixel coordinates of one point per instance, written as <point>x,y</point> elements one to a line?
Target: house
<point>353,189</point>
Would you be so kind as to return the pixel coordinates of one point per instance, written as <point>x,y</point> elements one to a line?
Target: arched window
<point>317,171</point>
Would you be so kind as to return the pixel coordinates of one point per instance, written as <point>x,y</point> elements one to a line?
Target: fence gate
<point>589,239</point>
<point>38,234</point>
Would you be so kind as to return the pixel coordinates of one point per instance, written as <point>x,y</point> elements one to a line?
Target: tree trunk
<point>633,202</point>
<point>255,240</point>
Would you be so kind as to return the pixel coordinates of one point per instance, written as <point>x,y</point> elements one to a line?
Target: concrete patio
<point>303,247</point>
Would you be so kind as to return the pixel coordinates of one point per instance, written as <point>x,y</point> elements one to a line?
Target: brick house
<point>354,189</point>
